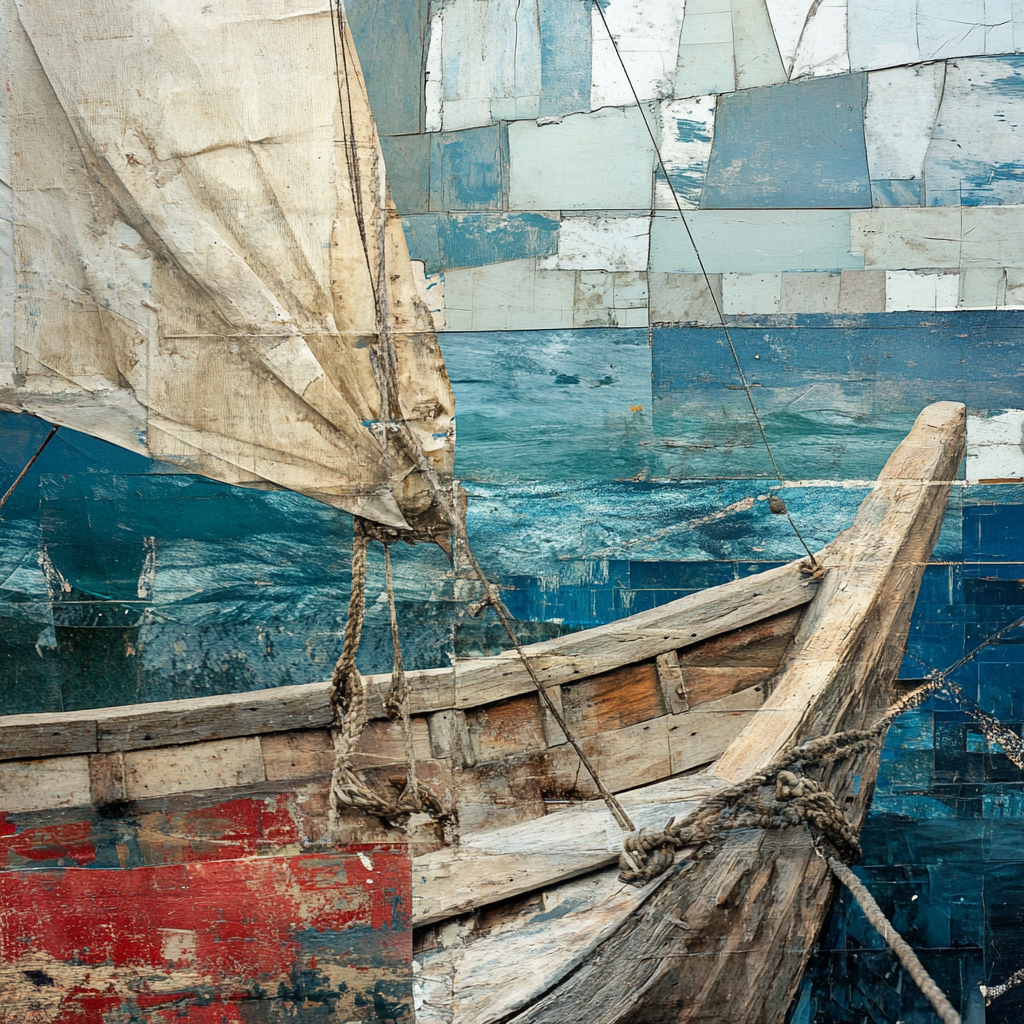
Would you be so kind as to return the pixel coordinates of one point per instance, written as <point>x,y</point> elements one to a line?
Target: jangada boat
<point>224,879</point>
<point>209,270</point>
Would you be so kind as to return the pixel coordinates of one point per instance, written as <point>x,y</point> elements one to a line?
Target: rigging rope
<point>707,281</point>
<point>895,941</point>
<point>348,703</point>
<point>28,465</point>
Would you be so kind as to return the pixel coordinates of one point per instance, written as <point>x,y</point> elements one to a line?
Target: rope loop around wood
<point>782,795</point>
<point>348,702</point>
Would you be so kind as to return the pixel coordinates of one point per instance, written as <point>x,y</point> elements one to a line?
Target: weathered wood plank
<point>508,728</point>
<point>705,732</point>
<point>614,700</point>
<point>472,683</point>
<point>49,783</point>
<point>220,764</point>
<point>106,779</point>
<point>553,734</point>
<point>496,865</point>
<point>670,677</point>
<point>449,737</point>
<point>760,644</point>
<point>703,684</point>
<point>520,949</point>
<point>642,637</point>
<point>749,916</point>
<point>873,568</point>
<point>136,727</point>
<point>47,735</point>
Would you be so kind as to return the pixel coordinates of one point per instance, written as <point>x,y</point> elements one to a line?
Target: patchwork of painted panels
<point>850,173</point>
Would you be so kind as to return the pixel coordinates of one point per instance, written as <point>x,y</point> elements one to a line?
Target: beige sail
<point>201,259</point>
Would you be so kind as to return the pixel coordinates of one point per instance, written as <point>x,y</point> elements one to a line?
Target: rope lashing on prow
<point>796,800</point>
<point>348,694</point>
<point>707,282</point>
<point>779,796</point>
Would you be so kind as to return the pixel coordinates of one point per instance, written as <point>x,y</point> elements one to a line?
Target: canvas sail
<point>201,260</point>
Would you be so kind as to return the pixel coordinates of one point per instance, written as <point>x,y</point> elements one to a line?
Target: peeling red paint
<point>240,828</point>
<point>72,841</point>
<point>193,941</point>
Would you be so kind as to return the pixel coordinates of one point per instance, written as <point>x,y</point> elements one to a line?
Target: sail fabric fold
<point>201,259</point>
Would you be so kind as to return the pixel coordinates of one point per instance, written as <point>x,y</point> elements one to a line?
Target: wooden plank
<point>641,637</point>
<point>553,735</point>
<point>47,735</point>
<point>704,684</point>
<point>773,885</point>
<point>449,737</point>
<point>45,784</point>
<point>761,643</point>
<point>499,730</point>
<point>106,779</point>
<point>670,677</point>
<point>198,767</point>
<point>633,756</point>
<point>614,700</point>
<point>640,755</point>
<point>304,754</point>
<point>472,683</point>
<point>516,949</point>
<point>705,732</point>
<point>166,723</point>
<point>502,863</point>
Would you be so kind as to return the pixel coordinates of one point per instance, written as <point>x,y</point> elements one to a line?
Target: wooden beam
<point>471,683</point>
<point>670,676</point>
<point>874,570</point>
<point>506,862</point>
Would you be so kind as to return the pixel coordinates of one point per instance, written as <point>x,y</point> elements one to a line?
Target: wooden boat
<point>515,896</point>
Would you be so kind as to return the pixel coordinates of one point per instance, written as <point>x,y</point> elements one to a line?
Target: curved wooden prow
<point>861,612</point>
<point>727,938</point>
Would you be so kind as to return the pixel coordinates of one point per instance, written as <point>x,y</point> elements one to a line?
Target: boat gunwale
<point>472,682</point>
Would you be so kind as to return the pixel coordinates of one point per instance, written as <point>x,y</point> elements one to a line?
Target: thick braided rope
<point>991,992</point>
<point>348,703</point>
<point>896,942</point>
<point>796,800</point>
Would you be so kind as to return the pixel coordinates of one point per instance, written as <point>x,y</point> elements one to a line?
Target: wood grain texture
<point>670,678</point>
<point>470,684</point>
<point>498,864</point>
<point>728,937</point>
<point>614,700</point>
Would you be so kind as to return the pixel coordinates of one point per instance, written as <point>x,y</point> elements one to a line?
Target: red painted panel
<point>201,941</point>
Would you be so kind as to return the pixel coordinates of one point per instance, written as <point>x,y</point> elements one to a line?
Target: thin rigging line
<point>707,279</point>
<point>28,465</point>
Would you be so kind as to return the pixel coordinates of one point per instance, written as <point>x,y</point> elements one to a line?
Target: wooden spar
<point>470,683</point>
<point>727,938</point>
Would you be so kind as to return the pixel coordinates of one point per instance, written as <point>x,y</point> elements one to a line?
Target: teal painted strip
<point>450,241</point>
<point>565,56</point>
<point>799,145</point>
<point>748,241</point>
<point>466,169</point>
<point>391,40</point>
<point>895,192</point>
